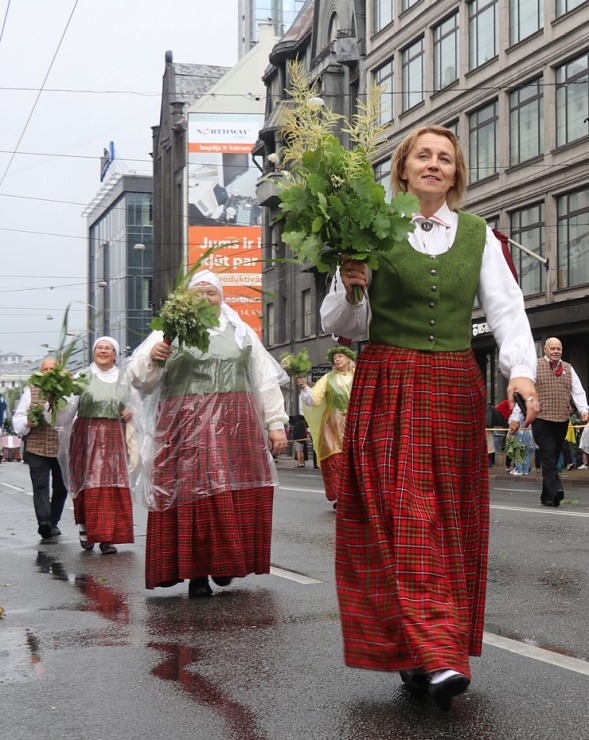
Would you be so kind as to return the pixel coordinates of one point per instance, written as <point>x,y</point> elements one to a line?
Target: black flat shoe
<point>45,530</point>
<point>558,498</point>
<point>417,683</point>
<point>55,531</point>
<point>199,587</point>
<point>546,502</point>
<point>444,691</point>
<point>222,580</point>
<point>86,545</point>
<point>107,548</point>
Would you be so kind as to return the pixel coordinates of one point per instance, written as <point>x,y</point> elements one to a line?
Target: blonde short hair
<point>455,195</point>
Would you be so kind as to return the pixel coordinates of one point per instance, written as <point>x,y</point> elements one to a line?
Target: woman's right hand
<point>301,382</point>
<point>353,273</point>
<point>160,351</point>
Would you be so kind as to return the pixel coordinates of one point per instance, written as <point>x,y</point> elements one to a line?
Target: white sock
<point>439,676</point>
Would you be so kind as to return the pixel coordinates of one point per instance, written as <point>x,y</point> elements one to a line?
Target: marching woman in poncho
<point>98,457</point>
<point>325,406</point>
<point>218,415</point>
<point>412,522</point>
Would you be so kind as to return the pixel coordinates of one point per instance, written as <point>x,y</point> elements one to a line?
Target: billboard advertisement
<point>223,213</point>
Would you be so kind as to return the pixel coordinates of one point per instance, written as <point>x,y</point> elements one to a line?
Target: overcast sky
<point>101,77</point>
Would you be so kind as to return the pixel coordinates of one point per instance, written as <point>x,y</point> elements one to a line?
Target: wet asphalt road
<point>86,652</point>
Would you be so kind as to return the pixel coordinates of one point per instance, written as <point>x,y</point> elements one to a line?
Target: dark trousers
<point>550,436</point>
<point>47,509</point>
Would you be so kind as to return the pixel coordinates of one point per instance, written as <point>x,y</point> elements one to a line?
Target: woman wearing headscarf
<point>218,416</point>
<point>325,407</point>
<point>98,456</point>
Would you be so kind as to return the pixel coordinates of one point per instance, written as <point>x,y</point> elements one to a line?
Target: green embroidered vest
<point>424,302</point>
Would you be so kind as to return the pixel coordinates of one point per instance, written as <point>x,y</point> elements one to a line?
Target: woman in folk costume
<point>325,407</point>
<point>218,416</point>
<point>412,521</point>
<point>98,454</point>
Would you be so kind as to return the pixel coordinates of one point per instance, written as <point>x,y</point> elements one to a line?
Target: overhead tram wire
<point>27,122</point>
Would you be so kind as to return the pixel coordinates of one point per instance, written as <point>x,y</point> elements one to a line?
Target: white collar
<point>108,376</point>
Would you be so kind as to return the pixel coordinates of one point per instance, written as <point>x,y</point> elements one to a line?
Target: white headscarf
<point>112,341</point>
<point>206,277</point>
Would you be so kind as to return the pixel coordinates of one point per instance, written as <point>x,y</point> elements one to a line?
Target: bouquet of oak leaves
<point>56,385</point>
<point>186,317</point>
<point>296,365</point>
<point>330,201</point>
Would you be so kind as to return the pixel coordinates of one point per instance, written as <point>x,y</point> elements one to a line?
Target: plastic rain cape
<point>206,416</point>
<point>96,448</point>
<point>327,417</point>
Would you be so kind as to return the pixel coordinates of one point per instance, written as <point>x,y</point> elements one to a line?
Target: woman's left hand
<point>126,415</point>
<point>527,390</point>
<point>276,441</point>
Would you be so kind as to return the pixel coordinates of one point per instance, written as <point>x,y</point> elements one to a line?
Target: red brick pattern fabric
<point>413,514</point>
<point>107,513</point>
<point>226,534</point>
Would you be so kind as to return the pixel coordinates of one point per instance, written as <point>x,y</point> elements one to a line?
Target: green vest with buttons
<point>424,302</point>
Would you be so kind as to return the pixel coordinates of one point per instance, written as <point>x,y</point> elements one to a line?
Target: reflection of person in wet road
<point>41,448</point>
<point>212,486</point>
<point>98,465</point>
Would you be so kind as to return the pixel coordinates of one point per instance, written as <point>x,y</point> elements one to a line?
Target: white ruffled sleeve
<point>341,318</point>
<point>503,304</point>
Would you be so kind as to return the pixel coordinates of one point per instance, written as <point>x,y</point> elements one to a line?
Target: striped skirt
<point>412,523</point>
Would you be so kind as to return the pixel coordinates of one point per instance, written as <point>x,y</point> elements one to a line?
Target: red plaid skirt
<point>331,469</point>
<point>226,534</point>
<point>98,454</point>
<point>107,513</point>
<point>412,522</point>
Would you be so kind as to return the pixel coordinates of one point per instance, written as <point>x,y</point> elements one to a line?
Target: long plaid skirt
<point>412,523</point>
<point>331,469</point>
<point>226,534</point>
<point>107,513</point>
<point>98,454</point>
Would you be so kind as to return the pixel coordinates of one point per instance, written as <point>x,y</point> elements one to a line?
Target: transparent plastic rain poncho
<point>208,416</point>
<point>324,407</point>
<point>96,446</point>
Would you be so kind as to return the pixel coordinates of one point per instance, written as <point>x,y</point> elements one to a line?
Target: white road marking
<point>302,490</point>
<point>537,653</point>
<point>20,489</point>
<point>281,573</point>
<point>545,510</point>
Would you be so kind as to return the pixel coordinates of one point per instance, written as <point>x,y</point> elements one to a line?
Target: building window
<point>572,100</point>
<point>526,122</point>
<point>482,31</point>
<point>382,14</point>
<point>271,323</point>
<point>527,228</point>
<point>573,239</point>
<point>565,6</point>
<point>446,52</point>
<point>483,142</point>
<point>384,76</point>
<point>382,175</point>
<point>525,18</point>
<point>307,318</point>
<point>406,4</point>
<point>412,70</point>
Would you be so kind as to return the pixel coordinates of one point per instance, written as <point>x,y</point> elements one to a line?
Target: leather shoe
<point>45,530</point>
<point>444,691</point>
<point>546,502</point>
<point>558,498</point>
<point>416,682</point>
<point>222,580</point>
<point>55,531</point>
<point>107,548</point>
<point>199,587</point>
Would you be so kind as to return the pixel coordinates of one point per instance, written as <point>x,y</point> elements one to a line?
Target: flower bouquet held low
<point>296,365</point>
<point>187,318</point>
<point>36,416</point>
<point>515,449</point>
<point>330,201</point>
<point>56,385</point>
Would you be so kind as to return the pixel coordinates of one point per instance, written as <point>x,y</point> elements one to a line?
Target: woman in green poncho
<point>325,406</point>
